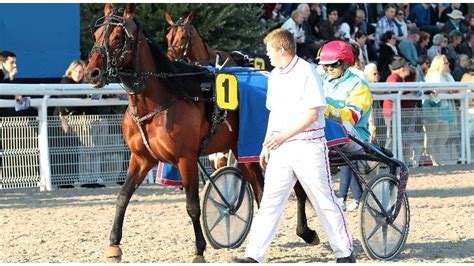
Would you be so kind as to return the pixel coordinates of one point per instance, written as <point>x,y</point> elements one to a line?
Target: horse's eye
<point>117,41</point>
<point>118,38</point>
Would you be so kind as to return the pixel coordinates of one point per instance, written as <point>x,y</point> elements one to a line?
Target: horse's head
<point>180,36</point>
<point>113,51</point>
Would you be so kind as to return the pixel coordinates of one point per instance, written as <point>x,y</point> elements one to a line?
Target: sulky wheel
<point>226,227</point>
<point>380,239</point>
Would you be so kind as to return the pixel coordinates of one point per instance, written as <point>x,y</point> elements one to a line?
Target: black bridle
<point>188,30</point>
<point>115,56</point>
<point>133,79</point>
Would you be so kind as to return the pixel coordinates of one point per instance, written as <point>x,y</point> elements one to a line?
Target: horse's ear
<point>108,9</point>
<point>130,10</point>
<point>189,18</point>
<point>169,19</point>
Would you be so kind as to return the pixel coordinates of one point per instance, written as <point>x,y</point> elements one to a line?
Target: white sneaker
<point>341,203</point>
<point>353,206</point>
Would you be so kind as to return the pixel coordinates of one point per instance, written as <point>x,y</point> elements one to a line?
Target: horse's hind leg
<point>302,230</point>
<point>189,173</point>
<point>137,170</point>
<point>253,174</point>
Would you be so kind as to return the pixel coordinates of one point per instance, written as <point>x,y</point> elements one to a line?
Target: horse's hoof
<point>114,259</point>
<point>310,237</point>
<point>199,259</point>
<point>113,253</point>
<point>316,240</point>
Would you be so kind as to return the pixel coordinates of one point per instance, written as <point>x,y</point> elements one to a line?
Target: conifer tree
<point>227,27</point>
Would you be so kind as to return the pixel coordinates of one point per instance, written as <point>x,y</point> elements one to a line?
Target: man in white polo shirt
<point>295,150</point>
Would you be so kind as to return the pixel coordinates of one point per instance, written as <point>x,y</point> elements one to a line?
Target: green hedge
<point>225,27</point>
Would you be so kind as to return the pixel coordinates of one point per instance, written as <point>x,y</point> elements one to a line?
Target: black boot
<point>350,259</point>
<point>244,260</point>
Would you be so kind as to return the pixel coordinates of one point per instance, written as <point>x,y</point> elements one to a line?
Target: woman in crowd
<point>74,75</point>
<point>294,25</point>
<point>437,114</point>
<point>387,50</point>
<point>400,23</point>
<point>63,137</point>
<point>422,44</point>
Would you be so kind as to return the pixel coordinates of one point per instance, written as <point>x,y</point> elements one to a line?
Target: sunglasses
<point>401,14</point>
<point>334,65</point>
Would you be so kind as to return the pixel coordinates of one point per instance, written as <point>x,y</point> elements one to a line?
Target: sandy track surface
<point>73,225</point>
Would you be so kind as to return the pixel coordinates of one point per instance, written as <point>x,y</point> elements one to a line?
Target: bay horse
<point>186,44</point>
<point>168,117</point>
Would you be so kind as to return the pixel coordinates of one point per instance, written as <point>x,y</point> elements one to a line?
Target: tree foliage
<point>223,26</point>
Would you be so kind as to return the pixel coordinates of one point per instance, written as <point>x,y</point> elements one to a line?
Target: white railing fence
<point>36,151</point>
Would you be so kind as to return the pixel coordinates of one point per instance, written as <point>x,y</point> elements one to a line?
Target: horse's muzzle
<point>96,77</point>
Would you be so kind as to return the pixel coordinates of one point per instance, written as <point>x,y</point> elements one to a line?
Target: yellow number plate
<point>259,63</point>
<point>226,92</point>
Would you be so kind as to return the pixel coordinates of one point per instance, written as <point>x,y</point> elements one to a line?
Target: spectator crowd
<point>392,42</point>
<point>399,42</point>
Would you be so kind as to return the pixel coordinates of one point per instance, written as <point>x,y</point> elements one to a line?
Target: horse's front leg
<point>302,230</point>
<point>137,169</point>
<point>189,173</point>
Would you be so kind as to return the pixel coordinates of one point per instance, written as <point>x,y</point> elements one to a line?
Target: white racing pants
<point>307,162</point>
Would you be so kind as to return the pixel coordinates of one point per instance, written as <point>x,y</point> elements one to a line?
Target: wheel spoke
<point>373,211</point>
<point>240,218</point>
<point>384,238</point>
<point>217,204</point>
<point>396,228</point>
<point>227,224</point>
<point>374,231</point>
<point>222,215</point>
<point>230,185</point>
<point>222,212</point>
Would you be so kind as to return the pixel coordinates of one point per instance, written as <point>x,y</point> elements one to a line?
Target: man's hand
<point>275,140</point>
<point>372,137</point>
<point>264,157</point>
<point>12,74</point>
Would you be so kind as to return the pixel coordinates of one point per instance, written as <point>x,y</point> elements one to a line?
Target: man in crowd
<point>385,24</point>
<point>407,47</point>
<point>8,66</point>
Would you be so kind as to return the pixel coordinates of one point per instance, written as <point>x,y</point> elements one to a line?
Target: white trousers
<point>307,162</point>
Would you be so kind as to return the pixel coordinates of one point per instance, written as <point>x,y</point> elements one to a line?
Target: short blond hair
<point>296,13</point>
<point>281,38</point>
<point>73,66</point>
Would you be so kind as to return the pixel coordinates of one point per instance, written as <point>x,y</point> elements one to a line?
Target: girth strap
<point>139,122</point>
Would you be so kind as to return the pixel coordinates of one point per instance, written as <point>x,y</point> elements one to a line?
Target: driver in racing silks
<point>347,95</point>
<point>350,103</point>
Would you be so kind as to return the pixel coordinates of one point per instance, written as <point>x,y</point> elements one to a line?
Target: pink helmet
<point>334,51</point>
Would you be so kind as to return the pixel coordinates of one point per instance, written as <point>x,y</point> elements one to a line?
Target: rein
<point>137,77</point>
<point>187,45</point>
<point>189,37</point>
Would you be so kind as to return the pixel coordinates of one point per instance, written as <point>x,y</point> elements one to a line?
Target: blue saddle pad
<point>253,120</point>
<point>336,134</point>
<point>167,174</point>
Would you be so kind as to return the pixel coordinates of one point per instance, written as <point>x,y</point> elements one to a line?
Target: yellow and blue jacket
<point>349,99</point>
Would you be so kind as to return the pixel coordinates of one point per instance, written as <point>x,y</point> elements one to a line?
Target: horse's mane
<point>181,85</point>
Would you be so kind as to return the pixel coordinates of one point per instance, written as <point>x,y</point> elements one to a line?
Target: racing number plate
<point>259,63</point>
<point>226,92</point>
